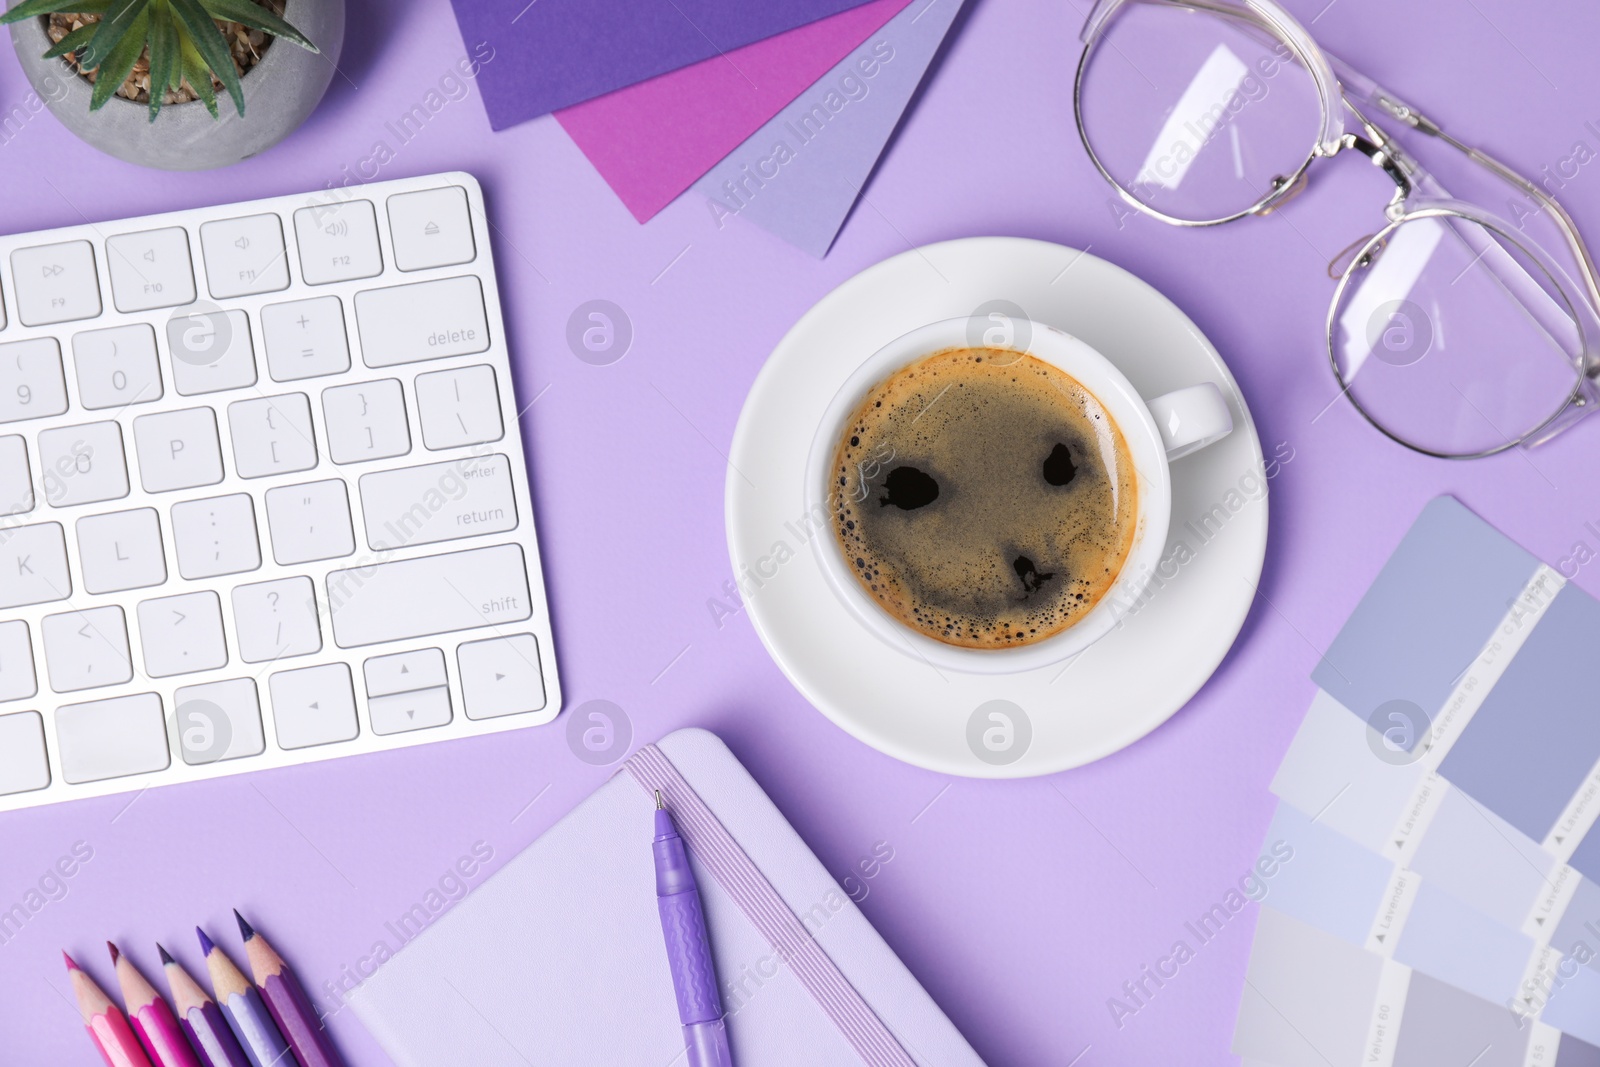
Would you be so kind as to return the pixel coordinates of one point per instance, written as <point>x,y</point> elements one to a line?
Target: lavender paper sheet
<point>561,52</point>
<point>800,174</point>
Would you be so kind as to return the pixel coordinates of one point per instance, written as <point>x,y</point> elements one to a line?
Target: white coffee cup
<point>1156,431</point>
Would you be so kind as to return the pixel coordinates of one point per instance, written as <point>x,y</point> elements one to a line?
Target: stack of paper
<point>1430,884</point>
<point>774,112</point>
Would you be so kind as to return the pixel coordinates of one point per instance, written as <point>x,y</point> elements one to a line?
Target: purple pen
<point>683,924</point>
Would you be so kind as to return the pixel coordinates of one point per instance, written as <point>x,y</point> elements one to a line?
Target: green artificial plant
<point>182,37</point>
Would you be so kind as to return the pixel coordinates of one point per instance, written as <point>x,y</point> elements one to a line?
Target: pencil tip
<point>115,955</point>
<point>72,964</point>
<point>660,804</point>
<point>205,942</point>
<point>246,931</point>
<point>166,957</point>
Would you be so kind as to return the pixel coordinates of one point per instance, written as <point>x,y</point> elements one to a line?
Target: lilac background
<point>1022,906</point>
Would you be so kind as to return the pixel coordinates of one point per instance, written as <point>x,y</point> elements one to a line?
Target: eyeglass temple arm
<point>1364,88</point>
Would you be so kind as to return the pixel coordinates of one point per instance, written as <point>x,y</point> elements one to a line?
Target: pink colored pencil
<point>151,1017</point>
<point>107,1027</point>
<point>287,1001</point>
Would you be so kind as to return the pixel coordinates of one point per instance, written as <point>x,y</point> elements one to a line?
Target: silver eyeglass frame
<point>1340,89</point>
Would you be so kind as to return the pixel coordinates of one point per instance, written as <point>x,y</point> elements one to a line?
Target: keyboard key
<point>338,242</point>
<point>305,339</point>
<point>459,407</point>
<point>313,706</point>
<point>182,634</point>
<point>211,351</point>
<point>420,709</point>
<point>276,620</point>
<point>178,449</point>
<point>309,522</point>
<point>86,649</point>
<point>117,367</point>
<point>366,421</point>
<point>423,320</point>
<point>403,672</point>
<point>16,482</point>
<point>438,502</point>
<point>83,464</point>
<point>24,766</point>
<point>33,566</point>
<point>218,721</point>
<point>429,595</point>
<point>31,383</point>
<point>111,738</point>
<point>215,536</point>
<point>150,269</point>
<point>245,256</point>
<point>56,283</point>
<point>272,435</point>
<point>121,551</point>
<point>432,228</point>
<point>17,679</point>
<point>501,676</point>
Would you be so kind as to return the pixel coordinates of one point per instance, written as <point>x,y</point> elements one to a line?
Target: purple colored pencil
<point>201,1019</point>
<point>286,999</point>
<point>151,1017</point>
<point>244,1010</point>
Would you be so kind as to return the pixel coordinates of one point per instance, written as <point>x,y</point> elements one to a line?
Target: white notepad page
<point>558,958</point>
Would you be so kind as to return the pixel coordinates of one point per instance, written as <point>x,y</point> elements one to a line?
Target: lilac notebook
<point>558,958</point>
<point>562,52</point>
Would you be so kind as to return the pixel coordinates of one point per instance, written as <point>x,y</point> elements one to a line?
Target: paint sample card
<point>1356,784</point>
<point>1469,651</point>
<point>800,174</point>
<point>1312,999</point>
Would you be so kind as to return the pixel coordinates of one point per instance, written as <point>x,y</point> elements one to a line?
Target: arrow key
<point>417,710</point>
<point>404,672</point>
<point>313,706</point>
<point>501,676</point>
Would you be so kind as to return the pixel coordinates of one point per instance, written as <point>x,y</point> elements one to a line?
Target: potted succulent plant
<point>142,79</point>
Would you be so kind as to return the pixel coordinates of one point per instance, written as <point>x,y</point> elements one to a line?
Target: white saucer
<point>1054,717</point>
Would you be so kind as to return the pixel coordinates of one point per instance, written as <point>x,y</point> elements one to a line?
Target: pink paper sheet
<point>651,141</point>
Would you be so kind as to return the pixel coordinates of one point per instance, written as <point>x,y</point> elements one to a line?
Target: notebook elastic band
<point>739,877</point>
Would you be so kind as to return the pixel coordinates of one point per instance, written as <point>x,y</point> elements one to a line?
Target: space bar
<point>428,595</point>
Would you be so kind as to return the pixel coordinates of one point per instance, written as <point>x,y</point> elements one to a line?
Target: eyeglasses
<point>1451,330</point>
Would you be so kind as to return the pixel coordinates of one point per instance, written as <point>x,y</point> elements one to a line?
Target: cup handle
<point>1190,419</point>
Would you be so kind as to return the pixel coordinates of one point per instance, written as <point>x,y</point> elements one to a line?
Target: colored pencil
<point>201,1018</point>
<point>241,1005</point>
<point>287,1001</point>
<point>151,1017</point>
<point>107,1027</point>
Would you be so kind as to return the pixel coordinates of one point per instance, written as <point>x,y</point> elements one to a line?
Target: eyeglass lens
<point>1194,114</point>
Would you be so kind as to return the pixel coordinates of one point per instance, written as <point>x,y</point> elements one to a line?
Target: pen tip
<point>72,964</point>
<point>115,955</point>
<point>245,929</point>
<point>205,942</point>
<point>166,957</point>
<point>661,805</point>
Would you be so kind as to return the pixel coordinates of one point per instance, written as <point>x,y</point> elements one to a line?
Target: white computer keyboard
<point>262,492</point>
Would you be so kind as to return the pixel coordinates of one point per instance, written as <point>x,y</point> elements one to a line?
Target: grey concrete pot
<point>280,93</point>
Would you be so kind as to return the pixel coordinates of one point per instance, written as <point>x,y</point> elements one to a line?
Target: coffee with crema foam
<point>983,497</point>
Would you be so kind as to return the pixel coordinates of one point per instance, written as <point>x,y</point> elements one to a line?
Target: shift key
<point>423,320</point>
<point>428,595</point>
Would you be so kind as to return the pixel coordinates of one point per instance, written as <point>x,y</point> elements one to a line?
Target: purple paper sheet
<point>800,174</point>
<point>556,53</point>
